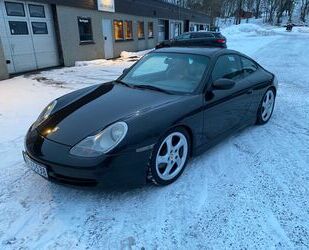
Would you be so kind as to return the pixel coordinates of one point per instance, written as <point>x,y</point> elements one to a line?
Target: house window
<point>14,9</point>
<point>118,30</point>
<point>36,10</point>
<point>123,30</point>
<point>85,29</point>
<point>39,28</point>
<point>128,29</point>
<point>140,30</point>
<point>18,28</point>
<point>150,30</point>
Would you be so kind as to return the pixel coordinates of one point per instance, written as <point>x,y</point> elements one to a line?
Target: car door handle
<point>250,92</point>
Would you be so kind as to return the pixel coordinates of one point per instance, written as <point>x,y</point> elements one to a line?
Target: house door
<point>28,36</point>
<point>108,39</point>
<point>161,33</point>
<point>175,29</point>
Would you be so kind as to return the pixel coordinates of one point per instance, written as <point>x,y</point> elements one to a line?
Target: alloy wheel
<point>268,105</point>
<point>172,156</point>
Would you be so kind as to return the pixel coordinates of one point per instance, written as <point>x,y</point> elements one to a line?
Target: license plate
<point>39,169</point>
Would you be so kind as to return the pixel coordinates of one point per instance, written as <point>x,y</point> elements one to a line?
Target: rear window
<point>202,35</point>
<point>183,36</point>
<point>218,35</point>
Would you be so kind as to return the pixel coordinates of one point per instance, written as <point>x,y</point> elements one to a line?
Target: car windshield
<point>174,72</point>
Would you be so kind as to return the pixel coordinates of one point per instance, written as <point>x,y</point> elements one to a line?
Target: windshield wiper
<point>123,83</point>
<point>151,87</point>
<point>143,86</point>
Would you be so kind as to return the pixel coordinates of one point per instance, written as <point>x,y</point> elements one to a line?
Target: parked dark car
<point>172,104</point>
<point>196,39</point>
<point>289,27</point>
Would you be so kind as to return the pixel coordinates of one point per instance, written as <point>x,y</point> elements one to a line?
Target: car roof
<point>209,51</point>
<point>198,33</point>
<point>201,32</point>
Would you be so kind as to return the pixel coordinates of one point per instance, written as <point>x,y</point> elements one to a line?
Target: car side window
<point>183,37</point>
<point>229,67</point>
<point>248,66</point>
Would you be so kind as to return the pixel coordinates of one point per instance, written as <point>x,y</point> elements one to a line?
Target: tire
<point>266,107</point>
<point>166,167</point>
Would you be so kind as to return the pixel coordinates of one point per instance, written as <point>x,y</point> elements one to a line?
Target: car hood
<point>97,108</point>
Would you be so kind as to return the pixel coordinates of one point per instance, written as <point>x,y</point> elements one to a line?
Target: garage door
<point>28,36</point>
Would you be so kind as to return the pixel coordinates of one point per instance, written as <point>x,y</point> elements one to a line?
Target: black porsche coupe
<point>172,104</point>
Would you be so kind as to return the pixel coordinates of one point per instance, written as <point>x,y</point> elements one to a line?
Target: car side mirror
<point>223,84</point>
<point>125,71</point>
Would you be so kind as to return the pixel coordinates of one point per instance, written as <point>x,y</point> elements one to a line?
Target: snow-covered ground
<point>251,191</point>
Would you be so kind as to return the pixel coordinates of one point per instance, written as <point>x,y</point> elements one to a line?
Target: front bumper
<point>124,169</point>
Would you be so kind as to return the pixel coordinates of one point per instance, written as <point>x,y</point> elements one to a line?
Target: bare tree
<point>271,10</point>
<point>284,6</point>
<point>304,10</point>
<point>257,8</point>
<point>239,11</point>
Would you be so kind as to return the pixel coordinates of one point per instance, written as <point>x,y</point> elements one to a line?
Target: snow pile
<point>249,28</point>
<point>124,56</point>
<point>90,72</point>
<point>303,29</point>
<point>127,55</point>
<point>228,22</point>
<point>98,62</point>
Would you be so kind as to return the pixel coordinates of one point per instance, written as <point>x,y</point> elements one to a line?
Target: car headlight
<point>101,143</point>
<point>46,112</point>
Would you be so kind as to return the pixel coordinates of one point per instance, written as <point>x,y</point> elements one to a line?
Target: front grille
<point>71,180</point>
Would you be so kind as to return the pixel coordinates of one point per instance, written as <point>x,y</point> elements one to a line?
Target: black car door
<point>225,110</point>
<point>254,75</point>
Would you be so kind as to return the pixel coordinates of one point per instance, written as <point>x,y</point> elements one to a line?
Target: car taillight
<point>220,41</point>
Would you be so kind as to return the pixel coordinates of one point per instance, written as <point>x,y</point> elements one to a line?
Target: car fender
<point>147,128</point>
